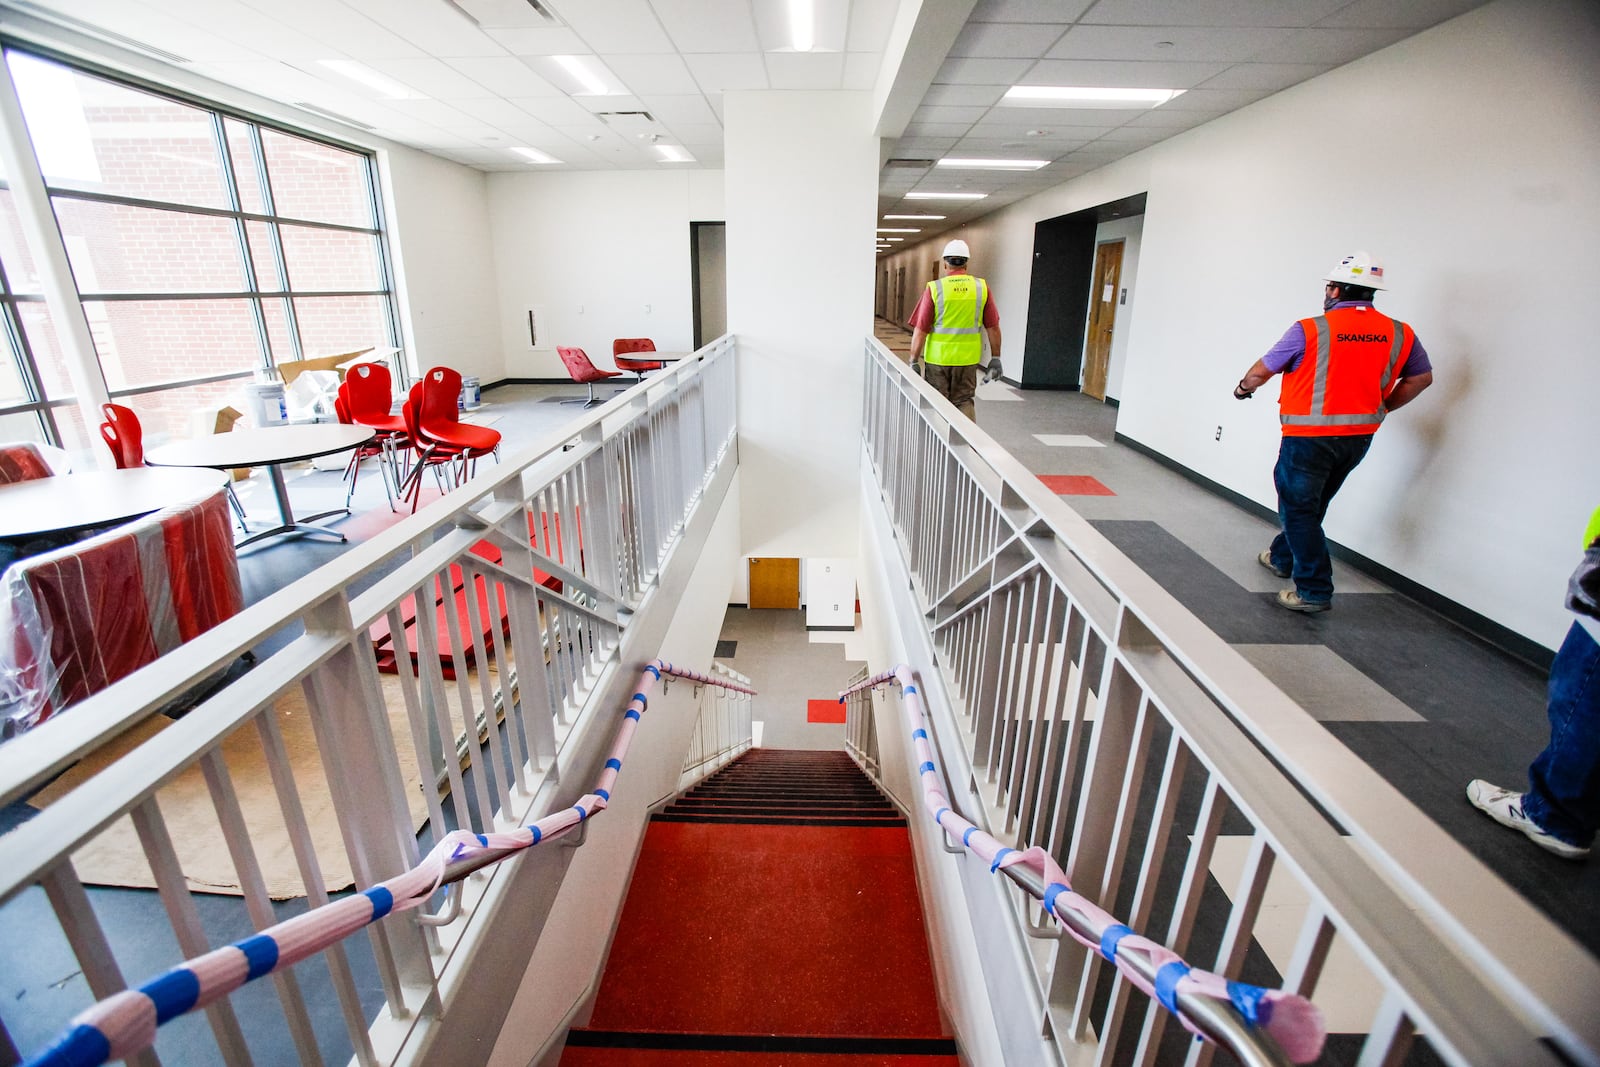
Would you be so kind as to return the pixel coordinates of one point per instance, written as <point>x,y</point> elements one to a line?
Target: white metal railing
<point>597,508</point>
<point>1086,711</point>
<point>722,729</point>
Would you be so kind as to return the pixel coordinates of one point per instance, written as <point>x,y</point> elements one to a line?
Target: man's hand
<point>993,372</point>
<point>1241,393</point>
<point>916,368</point>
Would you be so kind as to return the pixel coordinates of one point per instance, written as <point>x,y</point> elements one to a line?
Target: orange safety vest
<point>1353,358</point>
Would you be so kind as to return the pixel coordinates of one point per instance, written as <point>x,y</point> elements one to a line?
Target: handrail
<point>1261,1027</point>
<point>125,1023</point>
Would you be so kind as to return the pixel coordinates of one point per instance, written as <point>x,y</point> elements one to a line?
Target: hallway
<point>1425,703</point>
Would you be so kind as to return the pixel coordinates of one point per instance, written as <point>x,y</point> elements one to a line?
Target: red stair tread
<point>795,930</point>
<point>651,1057</point>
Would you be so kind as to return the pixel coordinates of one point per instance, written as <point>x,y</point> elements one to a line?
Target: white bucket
<point>471,393</point>
<point>266,403</point>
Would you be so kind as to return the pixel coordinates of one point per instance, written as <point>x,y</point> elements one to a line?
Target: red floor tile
<point>1074,485</point>
<point>824,711</point>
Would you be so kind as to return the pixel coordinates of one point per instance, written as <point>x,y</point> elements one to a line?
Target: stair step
<point>778,820</point>
<point>626,1048</point>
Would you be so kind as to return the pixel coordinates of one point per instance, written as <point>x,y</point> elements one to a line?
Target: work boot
<point>1291,599</point>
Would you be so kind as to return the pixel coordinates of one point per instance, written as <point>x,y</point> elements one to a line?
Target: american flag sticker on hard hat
<point>1376,272</point>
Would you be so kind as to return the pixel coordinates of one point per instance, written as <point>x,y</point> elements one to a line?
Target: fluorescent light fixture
<point>533,155</point>
<point>893,239</point>
<point>917,218</point>
<point>592,83</point>
<point>946,196</point>
<point>896,229</point>
<point>671,153</point>
<point>349,68</point>
<point>993,164</point>
<point>1085,96</point>
<point>802,25</point>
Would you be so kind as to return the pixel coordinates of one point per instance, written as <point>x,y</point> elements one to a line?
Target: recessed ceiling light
<point>802,25</point>
<point>671,153</point>
<point>364,75</point>
<point>946,196</point>
<point>993,164</point>
<point>592,83</point>
<point>931,218</point>
<point>1085,96</point>
<point>894,229</point>
<point>533,155</point>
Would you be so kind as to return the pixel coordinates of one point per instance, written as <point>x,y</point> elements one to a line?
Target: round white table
<point>70,502</point>
<point>268,447</point>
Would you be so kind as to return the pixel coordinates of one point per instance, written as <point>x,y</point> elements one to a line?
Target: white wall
<point>600,256</point>
<point>1468,157</point>
<point>438,214</point>
<point>829,593</point>
<point>801,185</point>
<point>1130,232</point>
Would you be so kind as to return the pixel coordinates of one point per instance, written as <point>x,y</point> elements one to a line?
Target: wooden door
<point>1102,316</point>
<point>774,583</point>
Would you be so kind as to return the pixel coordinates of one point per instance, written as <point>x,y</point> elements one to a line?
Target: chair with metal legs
<point>584,373</point>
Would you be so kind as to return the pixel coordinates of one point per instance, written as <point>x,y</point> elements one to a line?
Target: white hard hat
<point>956,248</point>
<point>1358,268</point>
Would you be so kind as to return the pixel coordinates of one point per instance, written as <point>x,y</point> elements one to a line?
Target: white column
<point>39,229</point>
<point>800,189</point>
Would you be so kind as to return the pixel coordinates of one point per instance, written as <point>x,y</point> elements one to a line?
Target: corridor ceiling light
<point>533,155</point>
<point>896,229</point>
<point>919,218</point>
<point>993,164</point>
<point>671,153</point>
<point>802,25</point>
<point>592,83</point>
<point>946,196</point>
<point>356,72</point>
<point>892,239</point>
<point>1085,96</point>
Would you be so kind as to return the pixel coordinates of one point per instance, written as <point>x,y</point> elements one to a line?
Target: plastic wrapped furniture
<point>22,462</point>
<point>78,618</point>
<point>622,346</point>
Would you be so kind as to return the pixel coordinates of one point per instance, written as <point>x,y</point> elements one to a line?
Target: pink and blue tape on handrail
<point>1292,1021</point>
<point>124,1023</point>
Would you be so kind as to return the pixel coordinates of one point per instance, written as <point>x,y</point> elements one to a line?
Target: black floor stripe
<point>879,1046</point>
<point>768,820</point>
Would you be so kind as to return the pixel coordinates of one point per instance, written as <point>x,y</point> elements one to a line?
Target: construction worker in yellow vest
<point>947,330</point>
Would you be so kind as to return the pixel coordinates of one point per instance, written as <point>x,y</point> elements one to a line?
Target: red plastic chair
<point>432,418</point>
<point>375,448</point>
<point>584,373</point>
<point>429,453</point>
<point>22,463</point>
<point>123,435</point>
<point>367,395</point>
<point>623,345</point>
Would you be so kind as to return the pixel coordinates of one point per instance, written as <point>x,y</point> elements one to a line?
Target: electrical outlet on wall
<point>1219,433</point>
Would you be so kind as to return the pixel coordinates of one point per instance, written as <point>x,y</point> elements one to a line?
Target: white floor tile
<point>1068,440</point>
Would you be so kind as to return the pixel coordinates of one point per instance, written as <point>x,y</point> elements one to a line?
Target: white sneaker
<point>1505,808</point>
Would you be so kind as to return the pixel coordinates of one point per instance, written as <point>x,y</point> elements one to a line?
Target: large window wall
<point>204,245</point>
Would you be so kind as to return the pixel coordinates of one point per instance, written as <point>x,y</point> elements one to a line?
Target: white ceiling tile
<point>871,21</point>
<point>237,22</point>
<point>648,74</point>
<point>556,110</point>
<point>696,133</point>
<point>1215,100</point>
<point>1168,43</point>
<point>1125,75</point>
<point>438,29</point>
<point>964,95</point>
<point>1212,12</point>
<point>431,77</point>
<point>1133,135</point>
<point>709,25</point>
<point>861,70</point>
<point>1029,10</point>
<point>1161,118</point>
<point>730,72</point>
<point>617,26</point>
<point>687,109</point>
<point>1026,147</point>
<point>505,76</point>
<point>1006,40</point>
<point>805,70</point>
<point>1271,76</point>
<point>614,102</point>
<point>550,41</point>
<point>496,111</point>
<point>830,24</point>
<point>1322,45</point>
<point>1019,120</point>
<point>982,71</point>
<point>924,115</point>
<point>356,34</point>
<point>923,146</point>
<point>936,129</point>
<point>437,113</point>
<point>1385,14</point>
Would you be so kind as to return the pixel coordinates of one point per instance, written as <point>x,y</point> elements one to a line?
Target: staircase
<point>772,919</point>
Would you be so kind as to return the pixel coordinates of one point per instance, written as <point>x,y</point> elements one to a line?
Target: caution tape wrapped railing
<point>1257,1025</point>
<point>125,1023</point>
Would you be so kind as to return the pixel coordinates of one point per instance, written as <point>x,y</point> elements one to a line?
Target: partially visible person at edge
<point>1560,812</point>
<point>947,327</point>
<point>1342,373</point>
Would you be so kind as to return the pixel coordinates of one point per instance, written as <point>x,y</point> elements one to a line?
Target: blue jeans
<point>1309,471</point>
<point>1564,782</point>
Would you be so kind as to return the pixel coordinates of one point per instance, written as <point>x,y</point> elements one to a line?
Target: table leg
<point>288,523</point>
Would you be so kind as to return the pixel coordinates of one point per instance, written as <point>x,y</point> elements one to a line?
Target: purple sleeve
<point>1417,362</point>
<point>1285,355</point>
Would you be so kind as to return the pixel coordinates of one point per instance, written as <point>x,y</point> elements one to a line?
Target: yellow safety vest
<point>956,338</point>
<point>1591,533</point>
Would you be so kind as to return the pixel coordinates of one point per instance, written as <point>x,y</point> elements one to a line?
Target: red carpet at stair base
<point>772,918</point>
<point>824,711</point>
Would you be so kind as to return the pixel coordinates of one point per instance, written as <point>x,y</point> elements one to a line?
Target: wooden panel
<point>774,583</point>
<point>1102,316</point>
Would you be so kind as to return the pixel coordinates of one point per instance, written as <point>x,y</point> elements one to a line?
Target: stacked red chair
<point>584,372</point>
<point>433,421</point>
<point>620,355</point>
<point>365,398</point>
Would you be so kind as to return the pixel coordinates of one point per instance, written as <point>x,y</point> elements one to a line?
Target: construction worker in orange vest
<point>1342,373</point>
<point>947,329</point>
